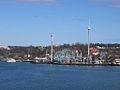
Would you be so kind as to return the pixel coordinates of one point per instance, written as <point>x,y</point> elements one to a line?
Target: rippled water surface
<point>26,76</point>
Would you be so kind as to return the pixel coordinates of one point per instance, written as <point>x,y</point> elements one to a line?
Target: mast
<point>52,40</point>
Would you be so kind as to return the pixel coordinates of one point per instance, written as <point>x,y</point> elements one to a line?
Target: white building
<point>4,47</point>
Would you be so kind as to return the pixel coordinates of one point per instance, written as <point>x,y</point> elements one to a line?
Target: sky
<point>31,22</point>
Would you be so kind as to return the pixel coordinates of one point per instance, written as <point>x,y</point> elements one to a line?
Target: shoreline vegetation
<point>66,54</point>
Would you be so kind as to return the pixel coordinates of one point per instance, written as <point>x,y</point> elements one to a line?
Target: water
<point>26,76</point>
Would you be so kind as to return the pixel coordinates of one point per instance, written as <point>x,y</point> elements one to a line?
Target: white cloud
<point>113,3</point>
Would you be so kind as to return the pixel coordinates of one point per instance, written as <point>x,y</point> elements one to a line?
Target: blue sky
<point>31,22</point>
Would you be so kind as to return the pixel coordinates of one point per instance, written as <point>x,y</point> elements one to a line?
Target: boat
<point>11,60</point>
<point>38,62</point>
<point>116,61</point>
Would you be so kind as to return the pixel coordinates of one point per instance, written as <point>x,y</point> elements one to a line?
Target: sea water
<point>27,76</point>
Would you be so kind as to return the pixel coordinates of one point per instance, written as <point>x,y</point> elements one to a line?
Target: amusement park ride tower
<point>88,57</point>
<point>52,41</point>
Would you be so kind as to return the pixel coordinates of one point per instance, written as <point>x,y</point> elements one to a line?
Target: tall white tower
<point>52,40</point>
<point>89,28</point>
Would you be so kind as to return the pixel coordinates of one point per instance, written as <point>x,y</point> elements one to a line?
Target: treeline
<point>40,51</point>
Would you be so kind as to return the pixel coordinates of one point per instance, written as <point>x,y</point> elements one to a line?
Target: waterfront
<point>26,76</point>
